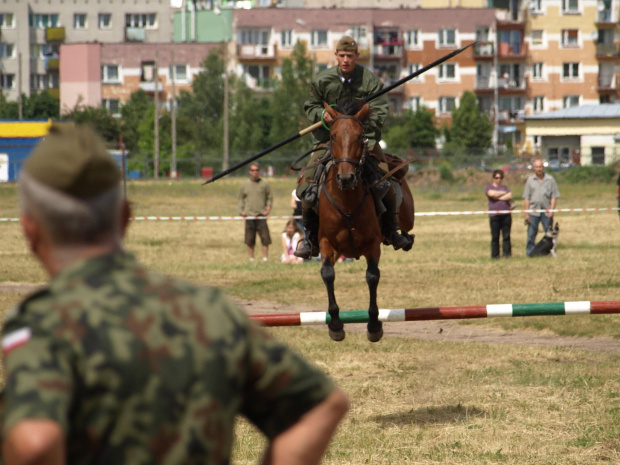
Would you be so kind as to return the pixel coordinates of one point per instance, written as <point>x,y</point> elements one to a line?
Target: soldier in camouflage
<point>114,364</point>
<point>350,81</point>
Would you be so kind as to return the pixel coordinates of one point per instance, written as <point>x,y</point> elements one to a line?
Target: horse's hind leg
<point>374,327</point>
<point>336,328</point>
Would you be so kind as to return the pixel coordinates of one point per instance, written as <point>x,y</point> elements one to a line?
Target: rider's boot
<point>390,223</point>
<point>309,245</point>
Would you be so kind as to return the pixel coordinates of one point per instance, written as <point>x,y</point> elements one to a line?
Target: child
<point>290,239</point>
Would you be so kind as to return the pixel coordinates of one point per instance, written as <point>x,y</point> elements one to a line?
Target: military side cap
<point>347,44</point>
<point>73,160</point>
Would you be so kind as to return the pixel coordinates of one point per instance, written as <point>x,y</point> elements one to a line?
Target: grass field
<point>414,401</point>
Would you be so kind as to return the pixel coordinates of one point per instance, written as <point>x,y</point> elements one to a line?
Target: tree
<point>40,105</point>
<point>289,96</point>
<point>412,130</point>
<point>100,119</point>
<point>471,128</point>
<point>133,113</point>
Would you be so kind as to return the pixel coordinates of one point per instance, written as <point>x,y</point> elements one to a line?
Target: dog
<point>548,243</point>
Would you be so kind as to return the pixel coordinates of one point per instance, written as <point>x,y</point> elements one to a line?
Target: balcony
<point>607,82</point>
<point>149,86</point>
<point>260,84</point>
<point>509,83</point>
<point>483,50</point>
<point>389,50</point>
<point>135,34</point>
<point>606,50</point>
<point>52,63</point>
<point>54,92</point>
<point>256,51</point>
<point>508,50</point>
<point>485,83</point>
<point>510,116</point>
<point>55,34</point>
<point>603,18</point>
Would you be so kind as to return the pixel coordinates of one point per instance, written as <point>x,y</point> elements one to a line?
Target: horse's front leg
<point>336,328</point>
<point>375,327</point>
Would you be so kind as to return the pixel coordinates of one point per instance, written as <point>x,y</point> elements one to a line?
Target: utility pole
<point>226,92</point>
<point>173,116</point>
<point>20,103</point>
<point>156,100</point>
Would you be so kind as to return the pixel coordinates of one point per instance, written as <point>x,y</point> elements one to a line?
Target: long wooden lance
<point>318,124</point>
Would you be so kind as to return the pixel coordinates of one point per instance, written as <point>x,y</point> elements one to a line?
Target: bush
<point>588,174</point>
<point>445,172</point>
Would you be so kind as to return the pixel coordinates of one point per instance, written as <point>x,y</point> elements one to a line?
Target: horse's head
<point>347,140</point>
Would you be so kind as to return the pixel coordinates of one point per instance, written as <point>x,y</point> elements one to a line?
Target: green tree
<point>133,113</point>
<point>100,119</point>
<point>289,96</point>
<point>40,105</point>
<point>471,128</point>
<point>414,129</point>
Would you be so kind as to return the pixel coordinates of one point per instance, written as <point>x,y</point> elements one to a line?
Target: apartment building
<point>32,32</point>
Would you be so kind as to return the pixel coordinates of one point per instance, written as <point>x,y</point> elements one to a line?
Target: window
<point>7,81</point>
<point>7,21</point>
<point>570,70</point>
<point>104,20</point>
<point>536,6</point>
<point>44,81</point>
<point>446,104</point>
<point>110,74</point>
<point>570,37</point>
<point>286,38</point>
<point>79,21</point>
<point>539,104</point>
<point>412,38</point>
<point>511,104</point>
<point>598,155</point>
<point>255,36</point>
<point>180,73</point>
<point>412,68</point>
<point>259,76</point>
<point>606,98</point>
<point>318,38</point>
<point>414,104</point>
<point>537,70</point>
<point>605,36</point>
<point>147,21</point>
<point>43,21</point>
<point>537,38</point>
<point>7,50</point>
<point>447,37</point>
<point>570,6</point>
<point>112,105</point>
<point>42,51</point>
<point>360,34</point>
<point>570,101</point>
<point>447,71</point>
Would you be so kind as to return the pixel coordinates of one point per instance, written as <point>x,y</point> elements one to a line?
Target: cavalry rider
<point>349,81</point>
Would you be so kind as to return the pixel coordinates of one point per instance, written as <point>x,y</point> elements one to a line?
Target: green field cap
<point>73,160</point>
<point>347,44</point>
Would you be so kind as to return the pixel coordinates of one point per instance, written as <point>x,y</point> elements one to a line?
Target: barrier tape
<point>238,218</point>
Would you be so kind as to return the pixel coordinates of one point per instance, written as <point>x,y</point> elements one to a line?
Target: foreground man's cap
<point>347,44</point>
<point>73,160</point>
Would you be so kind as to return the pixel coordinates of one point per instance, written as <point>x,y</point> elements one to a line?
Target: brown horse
<point>348,223</point>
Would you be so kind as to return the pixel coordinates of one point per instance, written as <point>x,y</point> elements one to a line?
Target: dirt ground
<point>452,331</point>
<point>439,330</point>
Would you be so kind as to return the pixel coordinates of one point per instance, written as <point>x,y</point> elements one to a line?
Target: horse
<point>348,223</point>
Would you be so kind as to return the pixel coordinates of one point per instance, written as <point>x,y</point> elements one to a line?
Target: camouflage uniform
<point>139,368</point>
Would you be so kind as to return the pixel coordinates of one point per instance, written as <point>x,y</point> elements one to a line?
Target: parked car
<point>556,165</point>
<point>517,168</point>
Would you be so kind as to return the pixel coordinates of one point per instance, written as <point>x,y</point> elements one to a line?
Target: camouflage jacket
<point>331,87</point>
<point>139,368</point>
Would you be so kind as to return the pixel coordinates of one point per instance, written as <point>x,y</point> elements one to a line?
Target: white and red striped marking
<point>445,313</point>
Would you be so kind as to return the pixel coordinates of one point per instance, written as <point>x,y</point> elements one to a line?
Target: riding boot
<point>390,223</point>
<point>309,245</point>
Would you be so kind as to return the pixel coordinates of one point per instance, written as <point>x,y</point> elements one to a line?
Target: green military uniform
<point>138,368</point>
<point>331,87</point>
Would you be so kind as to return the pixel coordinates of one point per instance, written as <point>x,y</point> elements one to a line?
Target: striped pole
<point>444,313</point>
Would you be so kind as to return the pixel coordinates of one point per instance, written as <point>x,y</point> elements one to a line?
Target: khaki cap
<point>347,44</point>
<point>73,160</point>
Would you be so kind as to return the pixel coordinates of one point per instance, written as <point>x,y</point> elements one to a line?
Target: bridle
<point>357,162</point>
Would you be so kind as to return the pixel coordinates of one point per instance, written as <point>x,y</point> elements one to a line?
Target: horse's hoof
<point>337,335</point>
<point>374,337</point>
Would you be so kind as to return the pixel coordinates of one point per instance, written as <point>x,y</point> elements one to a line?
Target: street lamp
<point>218,12</point>
<point>303,24</point>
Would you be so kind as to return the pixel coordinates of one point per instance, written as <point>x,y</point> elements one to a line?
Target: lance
<point>318,124</point>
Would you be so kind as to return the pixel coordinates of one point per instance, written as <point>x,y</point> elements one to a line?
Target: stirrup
<point>398,241</point>
<point>304,250</point>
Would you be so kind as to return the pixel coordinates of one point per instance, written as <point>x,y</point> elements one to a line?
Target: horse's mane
<point>349,107</point>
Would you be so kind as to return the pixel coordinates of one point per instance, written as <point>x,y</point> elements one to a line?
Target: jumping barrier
<point>444,313</point>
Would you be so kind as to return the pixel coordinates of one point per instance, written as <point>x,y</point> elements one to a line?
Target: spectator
<point>540,193</point>
<point>290,238</point>
<point>255,199</point>
<point>618,193</point>
<point>114,364</point>
<point>499,197</point>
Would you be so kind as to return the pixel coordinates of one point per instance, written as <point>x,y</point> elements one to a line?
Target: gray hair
<point>68,220</point>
